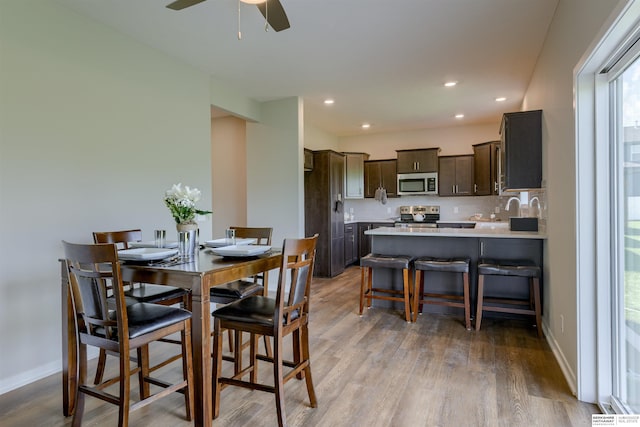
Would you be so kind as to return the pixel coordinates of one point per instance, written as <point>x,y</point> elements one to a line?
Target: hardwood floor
<point>374,370</point>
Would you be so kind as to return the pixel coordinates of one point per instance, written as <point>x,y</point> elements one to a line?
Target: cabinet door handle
<point>453,189</point>
<point>475,188</point>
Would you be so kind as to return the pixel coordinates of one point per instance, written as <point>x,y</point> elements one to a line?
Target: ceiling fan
<point>272,11</point>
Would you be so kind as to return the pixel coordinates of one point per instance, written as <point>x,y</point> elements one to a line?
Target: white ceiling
<point>383,61</point>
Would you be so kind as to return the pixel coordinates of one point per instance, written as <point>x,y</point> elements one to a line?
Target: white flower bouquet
<point>181,201</point>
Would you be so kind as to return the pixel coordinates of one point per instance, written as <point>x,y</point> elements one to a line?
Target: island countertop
<point>499,231</point>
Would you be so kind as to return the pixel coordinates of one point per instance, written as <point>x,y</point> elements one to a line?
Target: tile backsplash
<point>451,208</point>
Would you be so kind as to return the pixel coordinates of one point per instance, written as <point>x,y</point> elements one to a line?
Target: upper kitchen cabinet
<point>455,177</point>
<point>354,175</point>
<point>414,161</point>
<point>485,168</point>
<point>521,150</point>
<point>308,160</point>
<point>324,211</point>
<point>380,173</point>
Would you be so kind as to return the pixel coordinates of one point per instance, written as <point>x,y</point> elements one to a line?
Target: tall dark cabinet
<point>521,150</point>
<point>324,211</point>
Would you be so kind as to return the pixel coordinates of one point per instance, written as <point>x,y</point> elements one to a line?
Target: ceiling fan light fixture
<point>253,1</point>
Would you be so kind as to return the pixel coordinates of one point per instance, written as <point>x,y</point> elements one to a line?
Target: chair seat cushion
<point>385,261</point>
<point>154,293</point>
<point>522,268</point>
<point>453,265</point>
<point>254,309</point>
<point>145,318</point>
<point>237,289</point>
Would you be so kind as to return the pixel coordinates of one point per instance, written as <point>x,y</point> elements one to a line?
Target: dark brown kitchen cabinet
<point>324,211</point>
<point>455,176</point>
<point>350,244</point>
<point>521,150</point>
<point>415,161</point>
<point>380,173</point>
<point>364,240</point>
<point>308,160</point>
<point>485,168</point>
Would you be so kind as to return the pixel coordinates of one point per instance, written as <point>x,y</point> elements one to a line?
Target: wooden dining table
<point>199,275</point>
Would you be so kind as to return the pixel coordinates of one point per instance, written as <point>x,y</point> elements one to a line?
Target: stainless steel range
<point>418,216</point>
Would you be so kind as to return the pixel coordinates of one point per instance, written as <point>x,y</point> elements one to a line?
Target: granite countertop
<point>491,230</point>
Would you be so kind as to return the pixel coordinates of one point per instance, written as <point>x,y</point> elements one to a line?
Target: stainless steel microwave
<point>410,184</point>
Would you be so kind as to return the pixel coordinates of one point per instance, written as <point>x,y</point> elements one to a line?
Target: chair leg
<point>253,356</point>
<point>480,298</point>
<point>362,285</point>
<point>82,377</point>
<point>295,339</point>
<point>277,379</point>
<point>230,338</point>
<point>307,371</point>
<point>467,302</point>
<point>217,366</point>
<point>237,352</point>
<point>407,304</point>
<point>102,360</point>
<point>187,369</point>
<point>418,291</point>
<point>125,383</point>
<point>143,373</point>
<point>267,346</point>
<point>536,301</point>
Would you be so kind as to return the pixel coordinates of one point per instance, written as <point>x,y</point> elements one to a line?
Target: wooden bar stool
<point>447,265</point>
<point>368,292</point>
<point>518,268</point>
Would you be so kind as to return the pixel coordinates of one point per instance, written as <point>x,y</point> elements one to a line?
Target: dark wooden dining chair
<point>239,289</point>
<point>141,292</point>
<point>121,328</point>
<point>286,314</point>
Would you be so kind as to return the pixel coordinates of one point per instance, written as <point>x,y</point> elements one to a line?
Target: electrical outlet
<point>455,209</point>
<point>497,209</point>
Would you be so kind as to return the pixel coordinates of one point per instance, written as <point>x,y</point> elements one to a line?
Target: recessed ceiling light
<point>366,126</point>
<point>450,84</point>
<point>459,116</point>
<point>329,101</point>
<point>501,99</point>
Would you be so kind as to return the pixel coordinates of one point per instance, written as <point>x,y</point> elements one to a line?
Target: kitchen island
<point>487,240</point>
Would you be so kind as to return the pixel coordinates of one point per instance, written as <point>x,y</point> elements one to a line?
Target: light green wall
<point>94,127</point>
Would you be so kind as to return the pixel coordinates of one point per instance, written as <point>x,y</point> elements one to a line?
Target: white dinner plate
<point>146,254</point>
<point>152,244</point>
<point>218,243</point>
<point>241,250</point>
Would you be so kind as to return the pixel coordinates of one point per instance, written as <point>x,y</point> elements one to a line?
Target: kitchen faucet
<point>509,203</point>
<point>535,198</point>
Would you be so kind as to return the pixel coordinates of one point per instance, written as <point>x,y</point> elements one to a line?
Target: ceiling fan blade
<point>275,15</point>
<point>182,4</point>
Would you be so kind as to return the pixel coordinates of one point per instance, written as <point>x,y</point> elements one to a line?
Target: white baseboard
<point>569,375</point>
<point>42,371</point>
